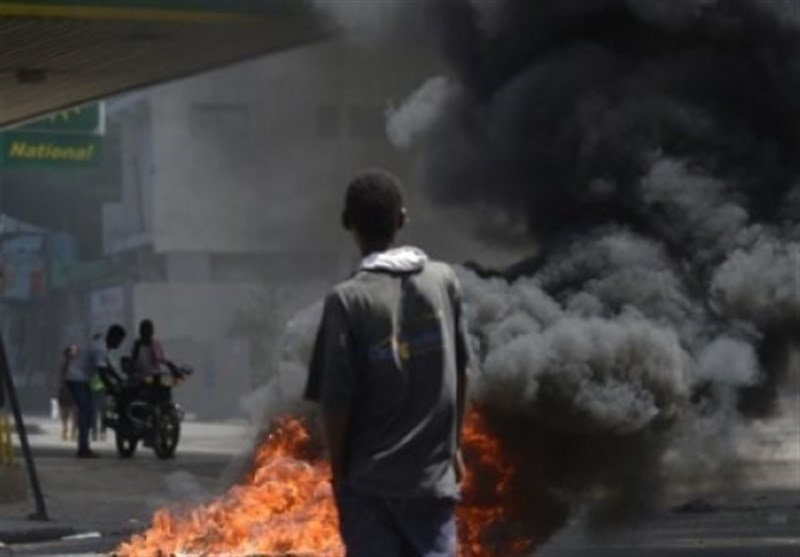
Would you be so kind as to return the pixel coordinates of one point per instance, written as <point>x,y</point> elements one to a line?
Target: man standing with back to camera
<point>389,369</point>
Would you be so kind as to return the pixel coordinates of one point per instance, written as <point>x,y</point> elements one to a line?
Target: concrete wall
<point>234,180</point>
<point>263,149</point>
<point>128,224</point>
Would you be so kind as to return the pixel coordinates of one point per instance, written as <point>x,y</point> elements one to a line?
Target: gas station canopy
<point>58,53</point>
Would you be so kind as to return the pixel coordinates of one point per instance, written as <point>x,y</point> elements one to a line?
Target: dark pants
<point>392,527</point>
<point>82,395</point>
<point>98,411</point>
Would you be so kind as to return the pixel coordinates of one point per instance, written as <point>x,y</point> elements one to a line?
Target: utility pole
<point>7,389</point>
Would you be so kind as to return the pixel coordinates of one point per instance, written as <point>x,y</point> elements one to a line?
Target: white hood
<point>405,259</point>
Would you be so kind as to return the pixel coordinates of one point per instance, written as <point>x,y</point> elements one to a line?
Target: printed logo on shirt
<point>406,346</point>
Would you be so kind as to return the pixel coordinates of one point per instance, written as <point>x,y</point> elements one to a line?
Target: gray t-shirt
<point>388,349</point>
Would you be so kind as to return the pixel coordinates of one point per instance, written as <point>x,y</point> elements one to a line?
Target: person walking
<point>389,369</point>
<point>66,405</point>
<point>77,373</point>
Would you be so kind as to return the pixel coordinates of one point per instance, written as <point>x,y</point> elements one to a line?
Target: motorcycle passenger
<point>147,363</point>
<point>147,356</point>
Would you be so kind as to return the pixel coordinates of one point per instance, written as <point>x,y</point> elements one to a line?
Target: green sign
<point>76,272</point>
<point>68,138</point>
<point>37,148</point>
<point>84,119</point>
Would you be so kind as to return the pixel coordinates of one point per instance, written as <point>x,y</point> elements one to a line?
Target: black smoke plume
<point>651,150</point>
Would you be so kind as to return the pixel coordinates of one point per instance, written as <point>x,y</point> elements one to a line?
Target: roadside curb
<point>84,542</point>
<point>37,534</point>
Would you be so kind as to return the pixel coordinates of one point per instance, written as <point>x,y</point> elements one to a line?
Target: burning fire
<point>484,518</point>
<point>285,505</point>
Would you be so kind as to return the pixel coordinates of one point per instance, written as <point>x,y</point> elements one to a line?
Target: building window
<point>226,122</point>
<point>366,122</point>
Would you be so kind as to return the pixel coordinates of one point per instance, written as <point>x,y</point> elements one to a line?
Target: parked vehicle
<point>145,411</point>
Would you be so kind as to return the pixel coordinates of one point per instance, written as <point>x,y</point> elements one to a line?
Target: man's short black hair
<point>373,205</point>
<point>115,334</point>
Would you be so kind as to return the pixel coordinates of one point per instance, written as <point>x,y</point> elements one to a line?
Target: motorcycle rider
<point>107,366</point>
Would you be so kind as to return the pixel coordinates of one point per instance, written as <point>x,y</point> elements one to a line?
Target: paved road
<point>758,516</point>
<point>748,523</point>
<point>112,496</point>
<point>108,498</point>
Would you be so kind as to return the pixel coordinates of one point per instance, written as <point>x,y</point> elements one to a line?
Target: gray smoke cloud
<point>283,394</point>
<point>761,284</point>
<point>590,375</point>
<point>356,16</point>
<point>366,23</point>
<point>409,121</point>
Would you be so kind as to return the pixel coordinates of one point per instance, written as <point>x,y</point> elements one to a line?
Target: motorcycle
<point>143,410</point>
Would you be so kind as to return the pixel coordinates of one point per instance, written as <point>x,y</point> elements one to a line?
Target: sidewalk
<point>111,496</point>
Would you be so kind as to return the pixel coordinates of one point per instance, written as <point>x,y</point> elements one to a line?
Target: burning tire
<point>166,433</point>
<point>126,445</point>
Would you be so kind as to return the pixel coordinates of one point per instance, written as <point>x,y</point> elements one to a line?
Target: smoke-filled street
<point>613,187</point>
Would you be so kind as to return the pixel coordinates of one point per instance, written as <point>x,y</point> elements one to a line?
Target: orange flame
<point>485,520</point>
<point>285,505</point>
